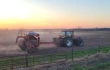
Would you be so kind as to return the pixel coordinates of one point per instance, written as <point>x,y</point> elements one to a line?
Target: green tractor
<point>67,39</point>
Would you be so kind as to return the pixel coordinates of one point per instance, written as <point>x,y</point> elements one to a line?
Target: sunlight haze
<point>39,14</point>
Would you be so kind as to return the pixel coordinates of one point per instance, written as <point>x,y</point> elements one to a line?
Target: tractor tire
<point>21,44</point>
<point>79,42</point>
<point>68,42</point>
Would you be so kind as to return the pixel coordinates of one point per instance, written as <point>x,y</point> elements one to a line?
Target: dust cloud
<point>8,40</point>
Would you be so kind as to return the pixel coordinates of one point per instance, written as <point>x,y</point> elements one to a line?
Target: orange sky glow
<point>16,14</point>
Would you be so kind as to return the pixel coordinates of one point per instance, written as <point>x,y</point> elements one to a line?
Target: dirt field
<point>91,39</point>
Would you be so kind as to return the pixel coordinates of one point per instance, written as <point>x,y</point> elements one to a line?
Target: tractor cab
<point>67,33</point>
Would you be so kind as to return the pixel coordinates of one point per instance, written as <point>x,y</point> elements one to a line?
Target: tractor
<point>30,41</point>
<point>67,39</point>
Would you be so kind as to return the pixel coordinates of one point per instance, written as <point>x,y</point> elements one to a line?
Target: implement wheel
<point>21,44</point>
<point>31,46</point>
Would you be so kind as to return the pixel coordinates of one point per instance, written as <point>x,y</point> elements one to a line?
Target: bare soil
<point>92,39</point>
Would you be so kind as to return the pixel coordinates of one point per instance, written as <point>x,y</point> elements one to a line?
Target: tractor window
<point>62,33</point>
<point>69,34</point>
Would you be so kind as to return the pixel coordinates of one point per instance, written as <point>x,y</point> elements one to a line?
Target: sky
<point>41,14</point>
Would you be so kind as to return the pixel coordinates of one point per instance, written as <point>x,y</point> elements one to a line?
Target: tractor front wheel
<point>68,42</point>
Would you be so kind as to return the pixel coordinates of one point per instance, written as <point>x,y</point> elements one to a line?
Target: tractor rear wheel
<point>68,42</point>
<point>79,42</point>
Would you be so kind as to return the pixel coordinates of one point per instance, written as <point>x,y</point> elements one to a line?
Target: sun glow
<point>17,11</point>
<point>40,14</point>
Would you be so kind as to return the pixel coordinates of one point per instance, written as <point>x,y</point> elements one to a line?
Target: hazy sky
<point>37,14</point>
